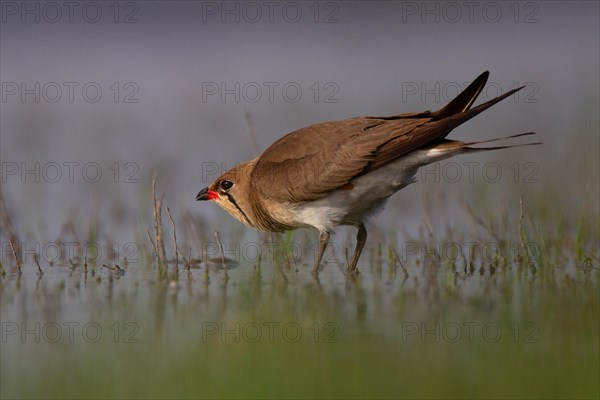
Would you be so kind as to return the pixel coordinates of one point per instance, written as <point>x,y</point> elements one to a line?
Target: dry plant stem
<point>347,260</point>
<point>174,240</point>
<point>469,210</point>
<point>152,243</point>
<point>189,260</point>
<point>399,261</point>
<point>221,249</point>
<point>116,268</point>
<point>437,255</point>
<point>251,132</point>
<point>12,248</point>
<point>521,238</point>
<point>155,213</point>
<point>9,229</point>
<point>160,244</point>
<point>71,227</point>
<point>37,261</point>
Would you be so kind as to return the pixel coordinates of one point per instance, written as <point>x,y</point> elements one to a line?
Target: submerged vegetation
<point>502,304</point>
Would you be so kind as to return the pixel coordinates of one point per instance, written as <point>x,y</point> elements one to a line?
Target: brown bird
<point>342,172</point>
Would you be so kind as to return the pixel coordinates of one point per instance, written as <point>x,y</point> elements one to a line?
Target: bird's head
<point>231,191</point>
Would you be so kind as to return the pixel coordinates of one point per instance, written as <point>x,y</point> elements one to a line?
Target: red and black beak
<point>205,194</point>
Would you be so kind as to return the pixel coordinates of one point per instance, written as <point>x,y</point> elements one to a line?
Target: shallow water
<point>234,332</point>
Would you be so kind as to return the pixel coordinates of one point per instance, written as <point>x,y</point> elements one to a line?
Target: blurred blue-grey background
<point>125,89</point>
<point>97,96</point>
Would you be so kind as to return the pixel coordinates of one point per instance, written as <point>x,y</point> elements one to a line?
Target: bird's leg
<point>361,238</point>
<point>323,240</point>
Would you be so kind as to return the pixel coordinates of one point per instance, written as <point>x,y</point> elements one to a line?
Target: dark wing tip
<point>465,99</point>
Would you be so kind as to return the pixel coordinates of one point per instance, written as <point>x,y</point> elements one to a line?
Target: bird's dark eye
<point>225,185</point>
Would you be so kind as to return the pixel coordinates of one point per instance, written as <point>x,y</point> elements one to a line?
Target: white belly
<point>368,193</point>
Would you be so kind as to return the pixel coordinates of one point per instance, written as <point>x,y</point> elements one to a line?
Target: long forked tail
<point>457,112</point>
<point>465,147</point>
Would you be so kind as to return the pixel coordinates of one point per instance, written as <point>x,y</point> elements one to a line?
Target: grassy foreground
<point>515,315</point>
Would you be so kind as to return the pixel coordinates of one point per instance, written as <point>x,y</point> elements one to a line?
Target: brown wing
<point>305,164</point>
